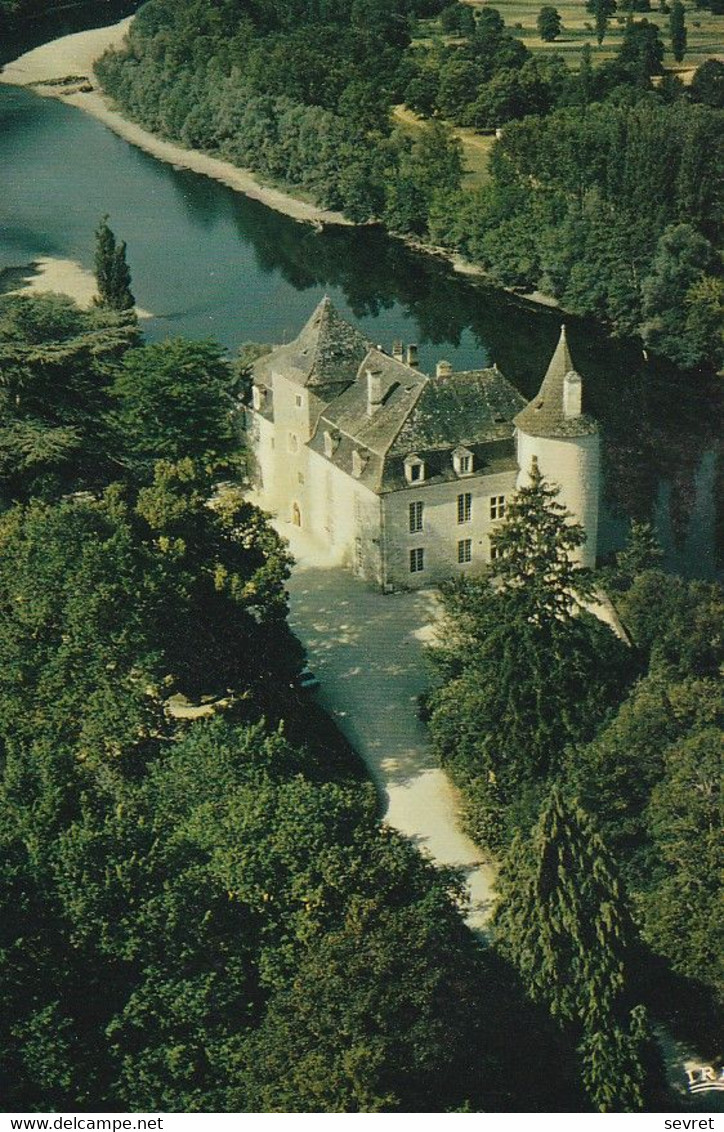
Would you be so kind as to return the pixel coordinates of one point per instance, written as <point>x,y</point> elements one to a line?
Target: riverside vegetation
<point>602,191</point>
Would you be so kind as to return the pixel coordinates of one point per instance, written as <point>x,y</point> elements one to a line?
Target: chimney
<point>572,389</point>
<point>374,391</point>
<point>398,351</point>
<point>412,356</point>
<point>443,369</point>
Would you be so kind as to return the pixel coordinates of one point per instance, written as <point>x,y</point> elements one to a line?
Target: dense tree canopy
<point>650,776</point>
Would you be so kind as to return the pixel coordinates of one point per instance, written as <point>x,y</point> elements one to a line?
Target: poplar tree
<point>601,10</point>
<point>562,922</point>
<point>112,272</point>
<point>677,30</point>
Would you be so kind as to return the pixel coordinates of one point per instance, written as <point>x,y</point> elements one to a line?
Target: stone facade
<point>401,476</point>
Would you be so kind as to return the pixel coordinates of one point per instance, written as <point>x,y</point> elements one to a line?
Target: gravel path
<point>367,650</point>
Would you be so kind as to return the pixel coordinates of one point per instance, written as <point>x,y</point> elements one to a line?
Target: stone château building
<point>401,475</point>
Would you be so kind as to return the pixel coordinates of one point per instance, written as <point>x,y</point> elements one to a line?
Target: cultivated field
<point>705,31</point>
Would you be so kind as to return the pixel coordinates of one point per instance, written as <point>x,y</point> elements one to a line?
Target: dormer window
<point>414,469</point>
<point>331,443</point>
<point>359,462</point>
<point>463,462</point>
<point>258,397</point>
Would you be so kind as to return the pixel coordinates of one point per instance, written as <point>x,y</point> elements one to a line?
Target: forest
<point>602,191</point>
<point>592,766</point>
<point>200,909</point>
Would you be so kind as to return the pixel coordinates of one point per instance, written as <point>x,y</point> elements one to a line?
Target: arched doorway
<point>296,515</point>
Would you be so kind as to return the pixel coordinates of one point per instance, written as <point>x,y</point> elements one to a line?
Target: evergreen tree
<point>677,30</point>
<point>524,672</point>
<point>113,274</point>
<point>563,923</point>
<point>535,546</point>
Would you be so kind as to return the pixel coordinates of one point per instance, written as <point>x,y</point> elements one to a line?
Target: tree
<point>683,259</point>
<point>707,85</point>
<point>549,24</point>
<point>601,10</point>
<point>677,30</point>
<point>174,400</point>
<point>563,923</point>
<point>113,275</point>
<point>457,19</point>
<point>57,363</point>
<point>535,546</point>
<point>641,50</point>
<point>523,670</point>
<point>685,817</point>
<point>641,553</point>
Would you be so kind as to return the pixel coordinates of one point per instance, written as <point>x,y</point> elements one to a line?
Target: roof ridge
<point>324,303</point>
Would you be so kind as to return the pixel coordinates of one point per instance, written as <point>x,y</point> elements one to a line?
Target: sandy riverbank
<point>46,68</point>
<point>64,276</point>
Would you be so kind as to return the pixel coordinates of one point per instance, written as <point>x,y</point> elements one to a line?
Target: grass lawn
<point>476,147</point>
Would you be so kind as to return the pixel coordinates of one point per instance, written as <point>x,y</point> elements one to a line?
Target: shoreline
<point>63,69</point>
<point>57,275</point>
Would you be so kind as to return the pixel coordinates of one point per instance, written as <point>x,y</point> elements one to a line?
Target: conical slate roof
<point>544,415</point>
<point>327,351</point>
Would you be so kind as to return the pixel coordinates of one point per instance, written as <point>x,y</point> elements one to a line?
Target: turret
<point>554,430</point>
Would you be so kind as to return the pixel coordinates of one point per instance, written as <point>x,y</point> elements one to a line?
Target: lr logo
<point>703,1078</point>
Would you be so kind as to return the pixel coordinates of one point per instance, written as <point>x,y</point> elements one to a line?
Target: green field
<point>476,147</point>
<point>704,40</point>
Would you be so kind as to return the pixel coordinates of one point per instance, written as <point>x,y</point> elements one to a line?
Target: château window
<point>258,397</point>
<point>415,517</point>
<point>300,477</point>
<point>465,507</point>
<point>495,553</point>
<point>465,550</point>
<point>463,461</point>
<point>497,506</point>
<point>331,443</point>
<point>417,560</point>
<point>293,442</point>
<point>298,399</point>
<point>414,469</point>
<point>359,462</point>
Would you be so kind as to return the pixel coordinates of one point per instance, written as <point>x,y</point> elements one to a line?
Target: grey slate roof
<point>401,387</point>
<point>543,416</point>
<point>327,351</point>
<point>466,408</point>
<point>427,417</point>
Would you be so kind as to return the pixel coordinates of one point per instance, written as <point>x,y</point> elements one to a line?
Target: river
<point>209,262</point>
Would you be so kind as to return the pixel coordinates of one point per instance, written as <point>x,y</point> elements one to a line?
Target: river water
<point>208,262</point>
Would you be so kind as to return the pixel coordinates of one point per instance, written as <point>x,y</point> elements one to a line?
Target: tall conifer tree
<point>113,274</point>
<point>677,30</point>
<point>563,923</point>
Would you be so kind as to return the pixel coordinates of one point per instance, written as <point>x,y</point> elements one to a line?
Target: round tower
<point>566,443</point>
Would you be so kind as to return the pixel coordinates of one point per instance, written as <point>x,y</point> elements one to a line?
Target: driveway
<point>367,650</point>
